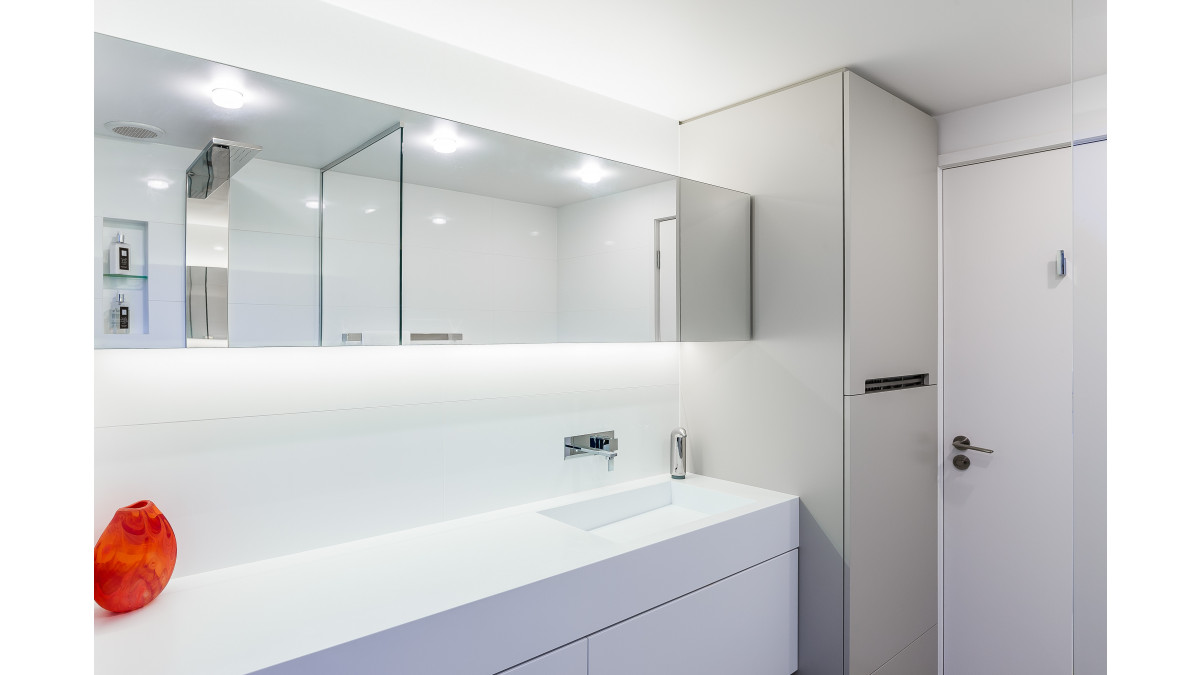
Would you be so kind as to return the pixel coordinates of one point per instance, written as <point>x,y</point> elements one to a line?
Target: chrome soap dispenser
<point>678,453</point>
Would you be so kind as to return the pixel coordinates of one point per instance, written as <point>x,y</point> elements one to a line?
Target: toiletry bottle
<point>118,257</point>
<point>120,314</point>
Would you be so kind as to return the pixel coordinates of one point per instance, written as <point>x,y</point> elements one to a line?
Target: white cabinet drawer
<point>745,624</point>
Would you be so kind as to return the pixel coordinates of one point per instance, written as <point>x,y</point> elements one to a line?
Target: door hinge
<point>658,260</point>
<point>1060,263</point>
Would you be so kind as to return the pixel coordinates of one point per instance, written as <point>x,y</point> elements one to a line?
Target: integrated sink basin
<point>645,511</point>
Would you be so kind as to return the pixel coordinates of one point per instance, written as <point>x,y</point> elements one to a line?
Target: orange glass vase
<point>135,557</point>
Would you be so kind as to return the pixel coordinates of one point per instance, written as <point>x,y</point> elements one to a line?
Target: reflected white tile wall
<point>361,258</point>
<point>121,169</point>
<point>488,272</point>
<point>272,269</point>
<point>272,325</point>
<point>606,264</point>
<point>266,196</point>
<point>273,255</point>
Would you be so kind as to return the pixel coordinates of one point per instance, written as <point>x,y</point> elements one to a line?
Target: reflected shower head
<point>216,164</point>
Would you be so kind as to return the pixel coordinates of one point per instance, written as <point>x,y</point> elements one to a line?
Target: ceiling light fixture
<point>369,211</point>
<point>591,174</point>
<point>445,144</point>
<point>227,98</point>
<point>313,204</point>
<point>218,248</point>
<point>439,221</point>
<point>157,184</point>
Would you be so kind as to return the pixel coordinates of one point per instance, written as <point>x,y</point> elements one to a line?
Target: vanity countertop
<point>518,582</point>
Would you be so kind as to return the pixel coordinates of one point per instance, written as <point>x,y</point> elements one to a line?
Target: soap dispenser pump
<point>678,453</point>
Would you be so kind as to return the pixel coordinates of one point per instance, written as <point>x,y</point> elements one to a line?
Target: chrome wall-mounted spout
<point>601,443</point>
<point>216,164</point>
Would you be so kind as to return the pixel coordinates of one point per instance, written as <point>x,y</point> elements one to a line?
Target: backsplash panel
<point>258,453</point>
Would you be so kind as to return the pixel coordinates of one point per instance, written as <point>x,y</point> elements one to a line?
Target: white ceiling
<point>682,58</point>
<point>313,127</point>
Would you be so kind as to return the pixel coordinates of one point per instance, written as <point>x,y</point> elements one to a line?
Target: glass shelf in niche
<point>126,276</point>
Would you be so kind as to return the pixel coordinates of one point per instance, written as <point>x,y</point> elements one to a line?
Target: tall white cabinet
<point>845,249</point>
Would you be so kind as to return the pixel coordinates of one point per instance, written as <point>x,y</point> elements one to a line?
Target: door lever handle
<point>964,443</point>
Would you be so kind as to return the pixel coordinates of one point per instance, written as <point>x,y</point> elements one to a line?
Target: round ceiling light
<point>591,174</point>
<point>439,221</point>
<point>227,98</point>
<point>445,144</point>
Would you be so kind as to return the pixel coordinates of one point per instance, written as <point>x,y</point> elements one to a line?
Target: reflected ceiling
<point>308,126</point>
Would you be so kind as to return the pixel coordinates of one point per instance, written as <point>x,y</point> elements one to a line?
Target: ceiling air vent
<point>136,130</point>
<point>896,382</point>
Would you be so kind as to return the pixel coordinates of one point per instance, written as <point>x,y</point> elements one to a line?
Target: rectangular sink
<point>646,511</point>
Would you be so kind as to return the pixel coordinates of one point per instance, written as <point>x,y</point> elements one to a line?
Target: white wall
<point>360,259</point>
<point>1035,120</point>
<point>488,272</point>
<point>606,264</point>
<point>273,255</point>
<point>257,452</point>
<point>122,169</point>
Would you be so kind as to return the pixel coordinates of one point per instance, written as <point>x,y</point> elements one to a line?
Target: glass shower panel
<point>360,244</point>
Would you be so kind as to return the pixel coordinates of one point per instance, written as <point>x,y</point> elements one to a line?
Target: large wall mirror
<point>238,209</point>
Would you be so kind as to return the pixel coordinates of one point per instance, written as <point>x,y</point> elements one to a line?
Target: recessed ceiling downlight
<point>591,174</point>
<point>157,184</point>
<point>445,144</point>
<point>135,130</point>
<point>227,98</point>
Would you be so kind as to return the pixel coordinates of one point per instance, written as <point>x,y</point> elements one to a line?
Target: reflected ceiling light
<point>157,184</point>
<point>227,98</point>
<point>591,174</point>
<point>439,221</point>
<point>609,243</point>
<point>369,211</point>
<point>218,248</point>
<point>313,204</point>
<point>445,144</point>
<point>533,234</point>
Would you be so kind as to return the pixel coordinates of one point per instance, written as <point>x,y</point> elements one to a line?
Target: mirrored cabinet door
<point>242,210</point>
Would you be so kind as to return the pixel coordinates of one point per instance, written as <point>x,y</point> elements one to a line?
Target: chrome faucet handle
<point>603,444</point>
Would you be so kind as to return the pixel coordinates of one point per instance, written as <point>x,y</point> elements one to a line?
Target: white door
<point>666,280</point>
<point>1006,383</point>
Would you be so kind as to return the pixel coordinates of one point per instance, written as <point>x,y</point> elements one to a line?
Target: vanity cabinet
<point>744,624</point>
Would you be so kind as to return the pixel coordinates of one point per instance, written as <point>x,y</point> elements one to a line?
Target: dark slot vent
<point>897,382</point>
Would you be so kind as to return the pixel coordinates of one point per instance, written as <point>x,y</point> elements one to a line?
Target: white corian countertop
<point>476,594</point>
